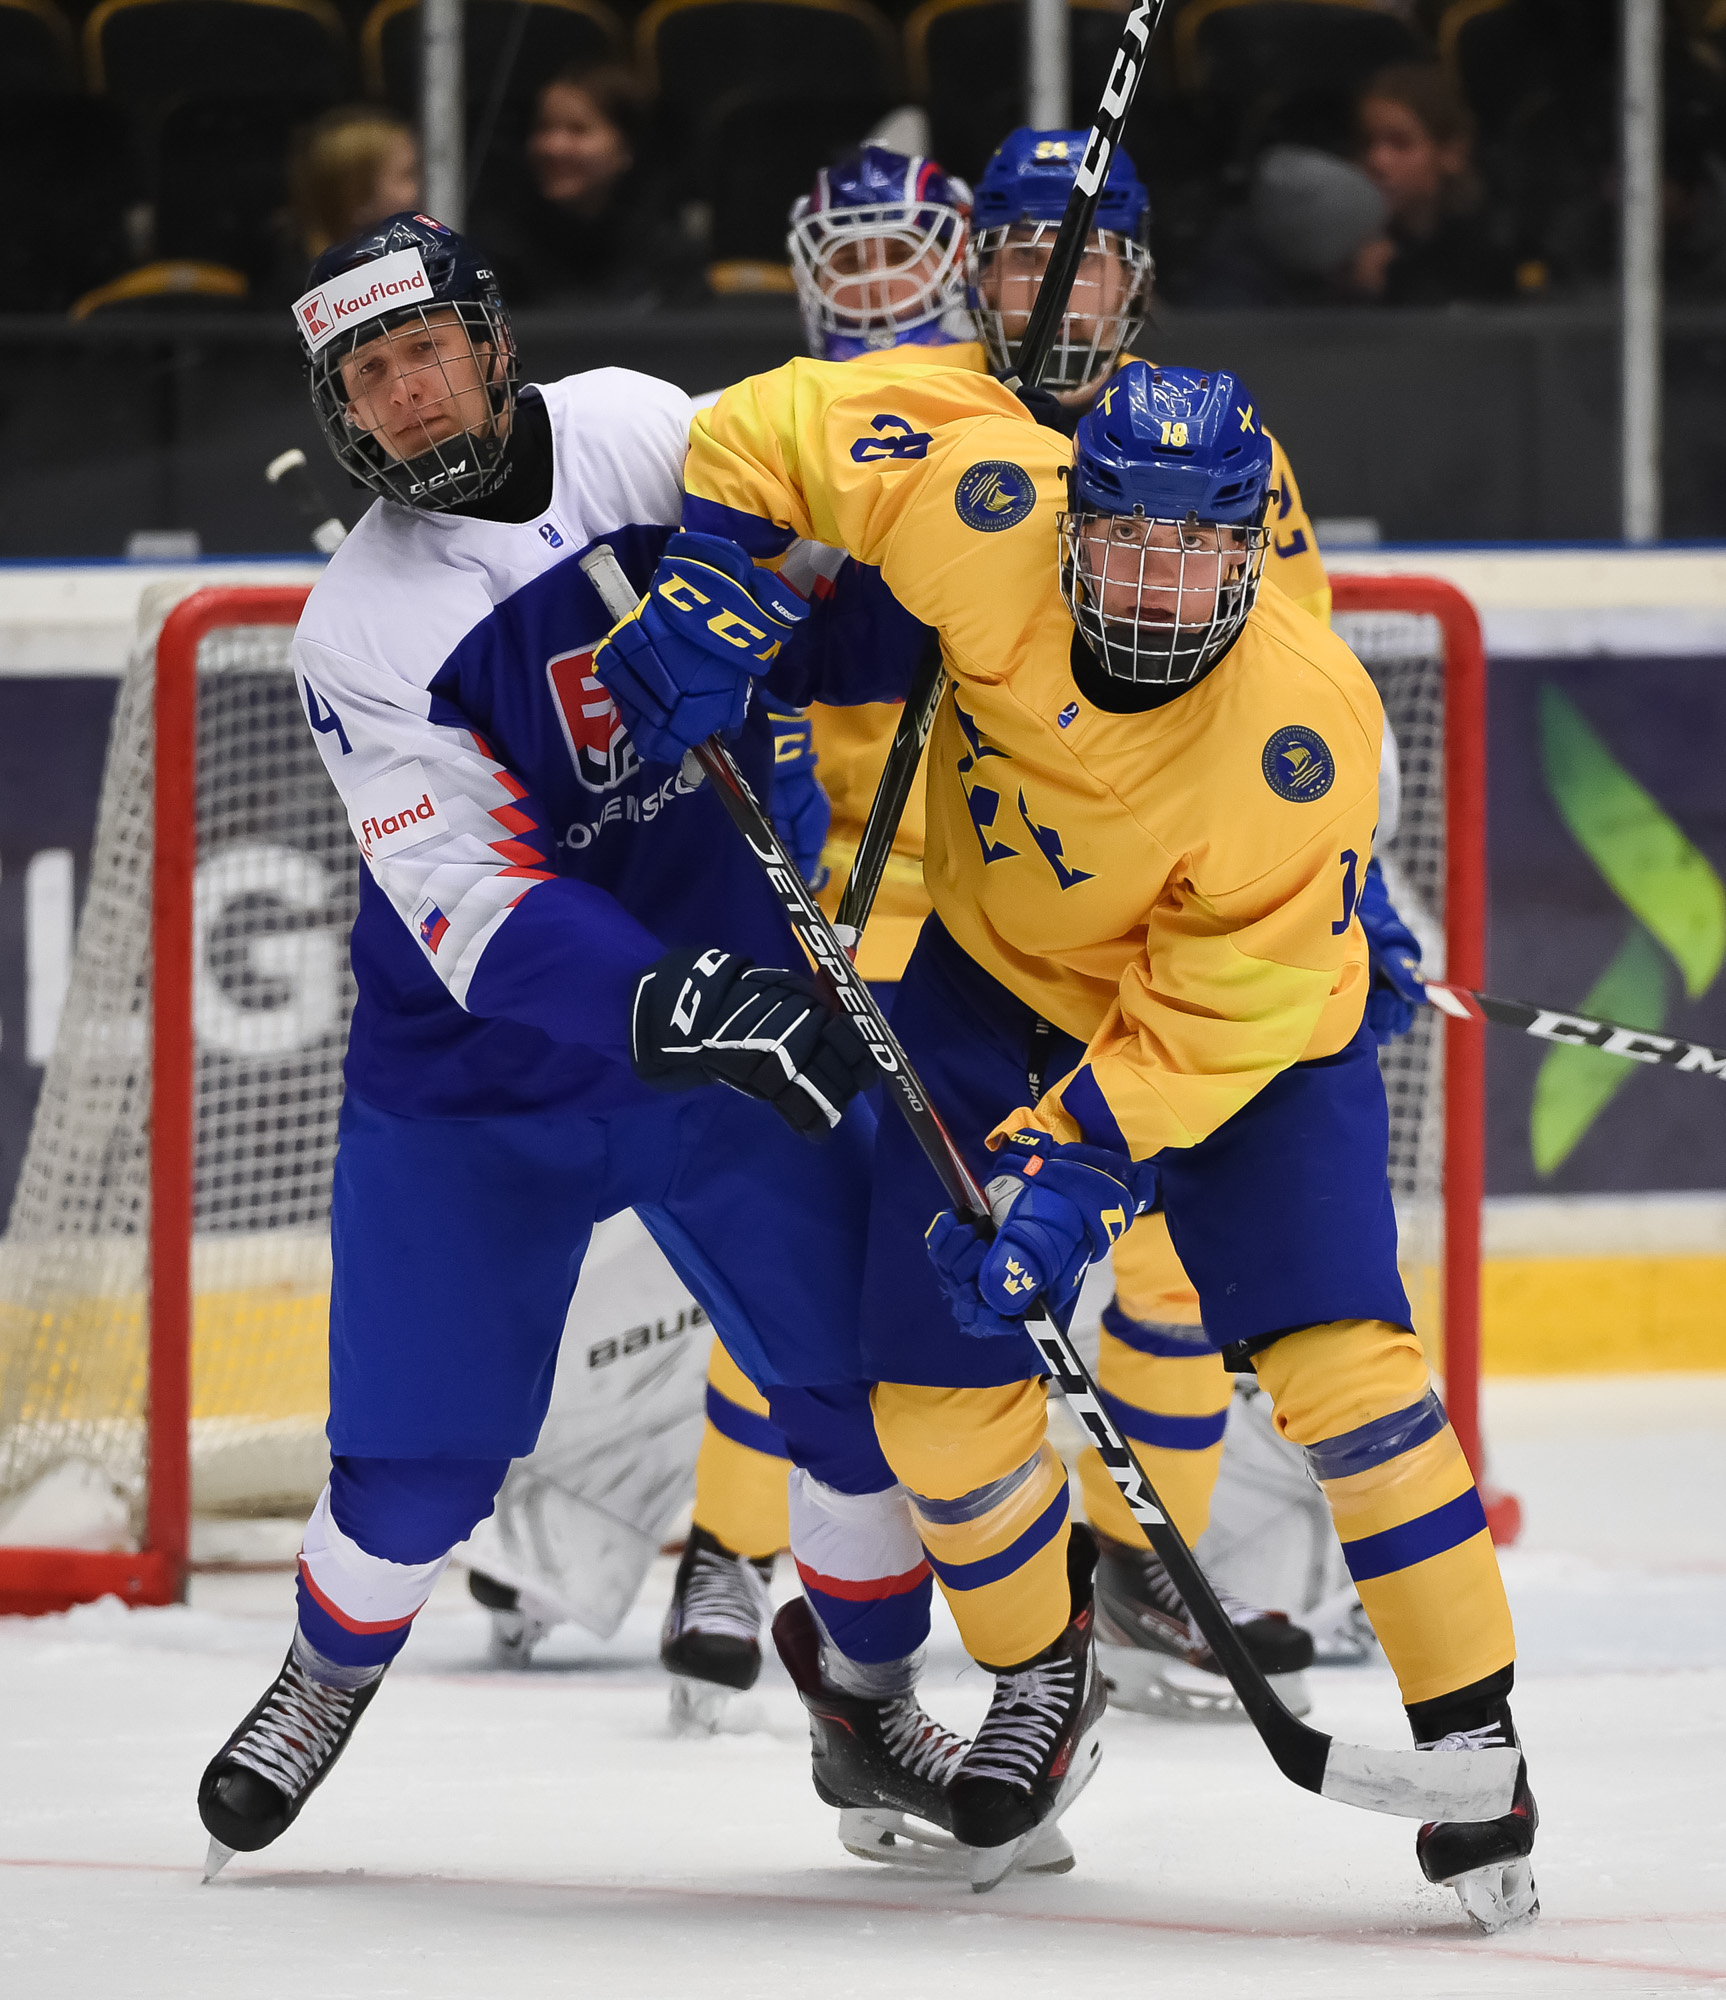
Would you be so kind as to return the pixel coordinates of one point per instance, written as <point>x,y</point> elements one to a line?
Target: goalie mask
<point>1020,202</point>
<point>1163,546</point>
<point>877,251</point>
<point>411,362</point>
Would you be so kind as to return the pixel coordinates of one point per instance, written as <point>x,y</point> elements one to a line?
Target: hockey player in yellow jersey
<point>884,267</point>
<point>1152,796</point>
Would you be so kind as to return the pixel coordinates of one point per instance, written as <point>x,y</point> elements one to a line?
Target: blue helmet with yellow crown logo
<point>1163,547</point>
<point>1018,208</point>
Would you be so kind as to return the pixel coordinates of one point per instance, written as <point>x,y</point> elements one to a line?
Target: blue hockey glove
<point>1069,1205</point>
<point>1396,984</point>
<point>801,810</point>
<point>681,665</point>
<point>711,1017</point>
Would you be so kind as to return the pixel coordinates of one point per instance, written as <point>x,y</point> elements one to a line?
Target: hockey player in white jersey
<point>560,942</point>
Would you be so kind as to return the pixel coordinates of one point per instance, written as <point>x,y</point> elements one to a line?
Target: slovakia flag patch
<point>431,923</point>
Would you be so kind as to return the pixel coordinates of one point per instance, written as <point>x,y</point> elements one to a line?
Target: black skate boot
<point>516,1627</point>
<point>257,1782</point>
<point>1156,1660</point>
<point>711,1640</point>
<point>885,1765</point>
<point>1485,1861</point>
<point>1037,1748</point>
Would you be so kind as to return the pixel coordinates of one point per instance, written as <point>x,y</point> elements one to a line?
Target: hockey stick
<point>881,828</point>
<point>1575,1031</point>
<point>1413,1784</point>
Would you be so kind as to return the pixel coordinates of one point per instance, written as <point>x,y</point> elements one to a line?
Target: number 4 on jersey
<point>323,719</point>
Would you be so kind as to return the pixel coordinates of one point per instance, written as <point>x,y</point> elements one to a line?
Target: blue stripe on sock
<point>991,1569</point>
<point>1164,1338</point>
<point>1380,1441</point>
<point>1412,1542</point>
<point>1170,1433</point>
<point>743,1426</point>
<point>878,1628</point>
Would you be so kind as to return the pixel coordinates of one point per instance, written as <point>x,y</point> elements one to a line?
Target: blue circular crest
<point>1298,765</point>
<point>994,494</point>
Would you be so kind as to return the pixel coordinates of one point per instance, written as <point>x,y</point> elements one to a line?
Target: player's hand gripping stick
<point>1413,1784</point>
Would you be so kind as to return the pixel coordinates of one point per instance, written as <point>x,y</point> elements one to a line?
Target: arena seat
<point>169,286</point>
<point>756,151</point>
<point>965,60</point>
<point>1258,48</point>
<point>693,51</point>
<point>67,166</point>
<point>1487,47</point>
<point>37,48</point>
<point>221,183</point>
<point>151,54</point>
<point>511,47</point>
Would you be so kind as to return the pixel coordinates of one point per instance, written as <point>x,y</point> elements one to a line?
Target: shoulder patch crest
<point>994,494</point>
<point>1298,765</point>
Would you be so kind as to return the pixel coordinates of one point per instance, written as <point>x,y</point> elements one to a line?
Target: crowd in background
<point>1481,166</point>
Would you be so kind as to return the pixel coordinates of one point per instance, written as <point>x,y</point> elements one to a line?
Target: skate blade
<point>1500,1897</point>
<point>1045,1850</point>
<point>895,1840</point>
<point>698,1707</point>
<point>1156,1684</point>
<point>216,1860</point>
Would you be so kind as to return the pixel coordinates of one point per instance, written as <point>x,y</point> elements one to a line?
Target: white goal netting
<point>274,894</point>
<point>1405,654</point>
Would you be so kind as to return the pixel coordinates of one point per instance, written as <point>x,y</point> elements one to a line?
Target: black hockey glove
<point>1048,409</point>
<point>711,1017</point>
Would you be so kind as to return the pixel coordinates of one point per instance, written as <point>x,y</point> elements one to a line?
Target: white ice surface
<point>491,1835</point>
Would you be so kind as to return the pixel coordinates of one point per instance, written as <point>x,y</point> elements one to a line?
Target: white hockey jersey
<point>523,865</point>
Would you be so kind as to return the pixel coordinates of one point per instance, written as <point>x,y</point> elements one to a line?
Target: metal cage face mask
<point>873,274</point>
<point>1159,602</point>
<point>424,378</point>
<point>1110,298</point>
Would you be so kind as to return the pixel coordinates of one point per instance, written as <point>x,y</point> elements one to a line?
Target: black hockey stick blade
<point>1576,1031</point>
<point>1413,1784</point>
<point>1075,226</point>
<point>898,773</point>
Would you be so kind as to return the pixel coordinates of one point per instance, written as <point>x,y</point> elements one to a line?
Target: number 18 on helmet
<point>1163,544</point>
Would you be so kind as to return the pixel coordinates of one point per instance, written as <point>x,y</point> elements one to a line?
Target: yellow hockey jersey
<point>1176,889</point>
<point>851,743</point>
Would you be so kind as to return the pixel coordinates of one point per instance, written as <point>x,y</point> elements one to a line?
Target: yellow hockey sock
<point>741,1468</point>
<point>989,1497</point>
<point>1357,1396</point>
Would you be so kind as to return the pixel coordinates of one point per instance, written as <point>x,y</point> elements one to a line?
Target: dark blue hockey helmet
<point>411,362</point>
<point>1163,547</point>
<point>1019,205</point>
<point>877,252</point>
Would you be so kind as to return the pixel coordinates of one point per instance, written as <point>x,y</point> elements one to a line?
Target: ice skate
<point>258,1781</point>
<point>711,1640</point>
<point>1038,1747</point>
<point>1156,1660</point>
<point>1486,1861</point>
<point>885,1764</point>
<point>515,1628</point>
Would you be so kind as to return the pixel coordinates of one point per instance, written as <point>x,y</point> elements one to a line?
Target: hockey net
<point>164,1276</point>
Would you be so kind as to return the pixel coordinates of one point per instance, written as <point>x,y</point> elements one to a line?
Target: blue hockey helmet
<point>413,305</point>
<point>1019,205</point>
<point>1163,547</point>
<point>877,253</point>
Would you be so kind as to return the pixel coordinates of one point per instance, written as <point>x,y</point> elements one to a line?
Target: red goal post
<point>35,1580</point>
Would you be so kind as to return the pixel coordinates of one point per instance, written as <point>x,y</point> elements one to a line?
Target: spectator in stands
<point>351,167</point>
<point>1313,232</point>
<point>587,221</point>
<point>1417,147</point>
